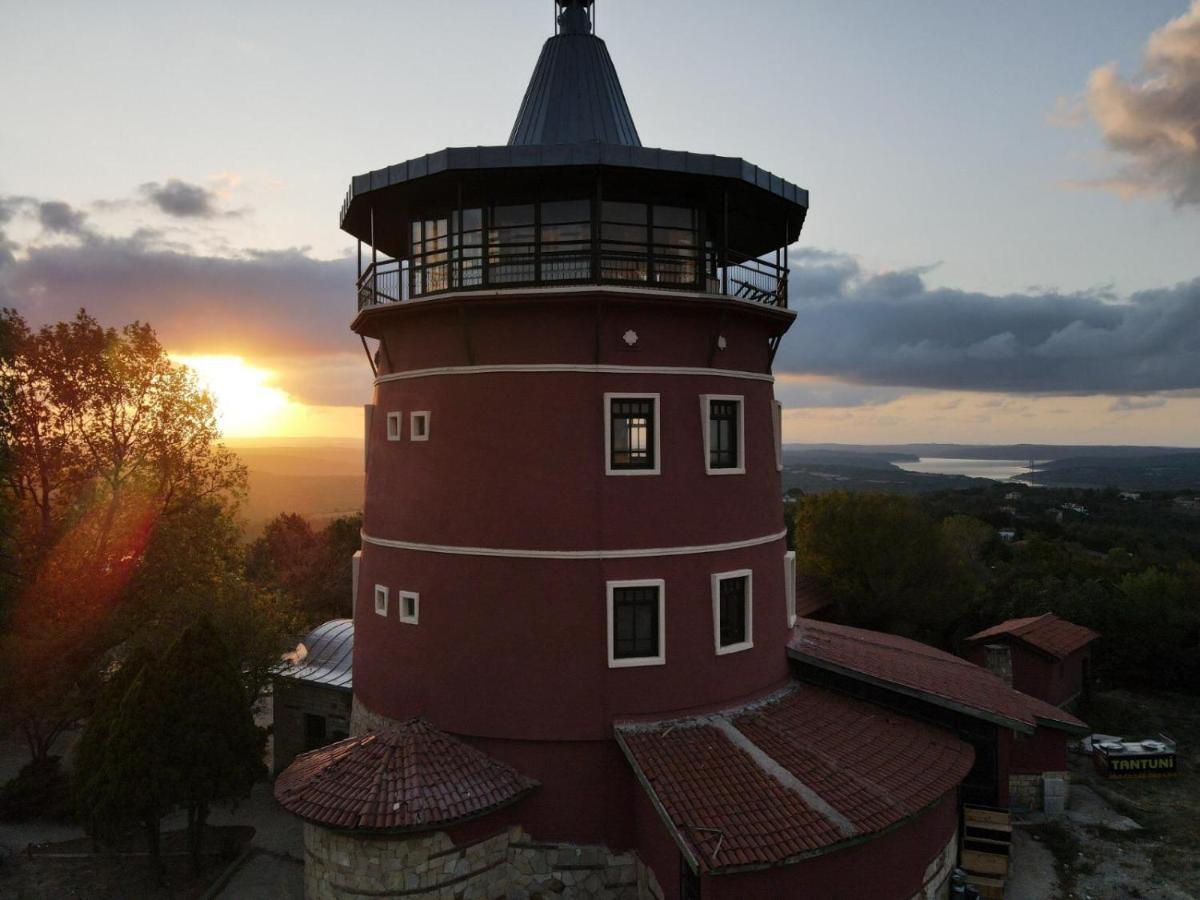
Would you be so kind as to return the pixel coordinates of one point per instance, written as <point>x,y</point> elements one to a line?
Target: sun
<point>247,404</point>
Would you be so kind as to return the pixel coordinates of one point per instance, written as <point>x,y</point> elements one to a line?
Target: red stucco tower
<point>573,520</point>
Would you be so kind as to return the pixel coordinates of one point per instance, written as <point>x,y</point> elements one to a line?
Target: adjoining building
<point>311,694</point>
<point>575,598</point>
<point>1018,739</point>
<point>1044,656</point>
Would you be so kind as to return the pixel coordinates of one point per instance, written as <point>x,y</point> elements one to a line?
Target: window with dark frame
<point>635,622</point>
<point>723,450</point>
<point>314,731</point>
<point>733,610</point>
<point>632,435</point>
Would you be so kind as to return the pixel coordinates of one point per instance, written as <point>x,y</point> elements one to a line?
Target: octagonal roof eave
<point>651,159</point>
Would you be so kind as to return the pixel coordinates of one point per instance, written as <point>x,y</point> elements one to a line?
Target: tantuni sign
<point>1135,761</point>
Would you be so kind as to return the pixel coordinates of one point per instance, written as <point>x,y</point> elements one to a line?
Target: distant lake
<point>996,469</point>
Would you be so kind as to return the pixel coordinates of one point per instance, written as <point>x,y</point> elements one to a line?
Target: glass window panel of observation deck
<point>625,238</point>
<point>466,239</point>
<point>566,237</point>
<point>675,239</point>
<point>511,244</point>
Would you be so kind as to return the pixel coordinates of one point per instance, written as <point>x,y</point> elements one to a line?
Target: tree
<point>887,564</point>
<point>181,735</point>
<point>313,567</point>
<point>107,439</point>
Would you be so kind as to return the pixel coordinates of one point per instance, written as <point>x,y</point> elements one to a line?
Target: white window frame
<point>789,586</point>
<point>401,596</point>
<point>657,449</point>
<point>395,426</point>
<point>706,415</point>
<point>717,578</point>
<point>610,588</point>
<point>423,416</point>
<point>381,593</point>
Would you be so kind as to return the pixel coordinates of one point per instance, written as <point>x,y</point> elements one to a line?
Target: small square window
<point>636,623</point>
<point>410,607</point>
<point>724,433</point>
<point>733,619</point>
<point>381,599</point>
<point>395,422</point>
<point>631,434</point>
<point>418,427</point>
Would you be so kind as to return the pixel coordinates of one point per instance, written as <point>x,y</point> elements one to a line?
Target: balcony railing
<point>397,280</point>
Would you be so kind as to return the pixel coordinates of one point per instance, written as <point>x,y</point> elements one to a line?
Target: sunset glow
<point>247,403</point>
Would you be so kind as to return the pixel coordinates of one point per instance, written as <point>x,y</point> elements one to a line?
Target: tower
<point>573,520</point>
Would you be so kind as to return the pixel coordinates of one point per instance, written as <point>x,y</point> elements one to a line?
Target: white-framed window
<point>395,425</point>
<point>637,623</point>
<point>418,426</point>
<point>381,599</point>
<point>631,435</point>
<point>733,611</point>
<point>410,606</point>
<point>789,585</point>
<point>724,434</point>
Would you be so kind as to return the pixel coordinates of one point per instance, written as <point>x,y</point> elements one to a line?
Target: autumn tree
<point>107,438</point>
<point>313,567</point>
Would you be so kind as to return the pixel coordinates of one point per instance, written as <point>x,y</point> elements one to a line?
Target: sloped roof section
<point>328,658</point>
<point>792,777</point>
<point>410,778</point>
<point>921,671</point>
<point>1049,633</point>
<point>574,95</point>
<point>811,596</point>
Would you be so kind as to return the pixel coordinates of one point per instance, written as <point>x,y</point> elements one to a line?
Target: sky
<point>1003,243</point>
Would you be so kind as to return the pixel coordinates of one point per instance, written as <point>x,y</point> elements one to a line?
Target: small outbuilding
<point>1044,656</point>
<point>312,693</point>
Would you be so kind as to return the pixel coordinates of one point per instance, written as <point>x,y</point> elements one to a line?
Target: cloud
<point>1153,120</point>
<point>1132,404</point>
<point>821,394</point>
<point>892,329</point>
<point>181,199</point>
<point>61,218</point>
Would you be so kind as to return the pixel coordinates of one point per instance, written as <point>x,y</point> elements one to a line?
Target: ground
<point>272,867</point>
<point>1121,839</point>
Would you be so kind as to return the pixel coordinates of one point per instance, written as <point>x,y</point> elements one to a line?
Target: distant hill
<point>318,480</point>
<point>1179,471</point>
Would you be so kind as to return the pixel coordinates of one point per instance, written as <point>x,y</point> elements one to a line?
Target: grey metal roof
<point>467,159</point>
<point>574,96</point>
<point>330,656</point>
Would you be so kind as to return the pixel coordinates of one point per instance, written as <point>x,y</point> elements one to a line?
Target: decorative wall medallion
<point>630,337</point>
<point>721,342</point>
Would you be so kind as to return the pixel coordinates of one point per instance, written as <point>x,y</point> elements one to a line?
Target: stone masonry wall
<point>290,701</point>
<point>339,866</point>
<point>1026,791</point>
<point>363,720</point>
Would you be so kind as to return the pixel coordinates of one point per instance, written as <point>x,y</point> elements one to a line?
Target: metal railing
<point>397,280</point>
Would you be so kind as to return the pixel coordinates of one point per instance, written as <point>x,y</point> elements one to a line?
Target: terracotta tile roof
<point>411,778</point>
<point>810,596</point>
<point>1049,633</point>
<point>797,775</point>
<point>919,670</point>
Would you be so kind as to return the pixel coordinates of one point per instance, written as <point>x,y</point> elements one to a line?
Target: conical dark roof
<point>574,96</point>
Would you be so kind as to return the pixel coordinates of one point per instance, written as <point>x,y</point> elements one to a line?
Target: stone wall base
<point>1026,792</point>
<point>340,866</point>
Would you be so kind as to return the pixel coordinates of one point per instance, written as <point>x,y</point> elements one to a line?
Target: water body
<point>996,469</point>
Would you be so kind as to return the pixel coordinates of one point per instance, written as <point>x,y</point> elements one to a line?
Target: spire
<point>574,95</point>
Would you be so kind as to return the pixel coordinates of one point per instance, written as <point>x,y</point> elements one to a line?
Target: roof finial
<point>573,16</point>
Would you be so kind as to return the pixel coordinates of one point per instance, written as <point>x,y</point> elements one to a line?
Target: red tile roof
<point>1049,633</point>
<point>919,670</point>
<point>797,775</point>
<point>410,778</point>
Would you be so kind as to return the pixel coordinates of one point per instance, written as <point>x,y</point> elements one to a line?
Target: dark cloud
<point>61,218</point>
<point>1153,121</point>
<point>181,199</point>
<point>893,329</point>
